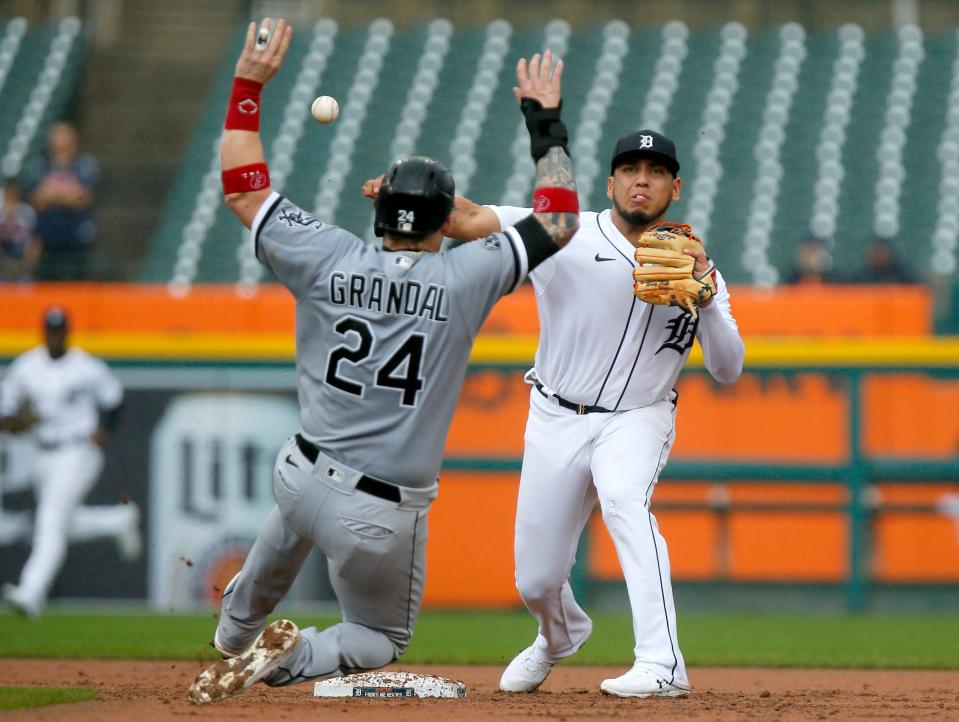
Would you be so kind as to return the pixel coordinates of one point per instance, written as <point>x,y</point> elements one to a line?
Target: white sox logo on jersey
<point>297,218</point>
<point>682,331</point>
<point>645,141</point>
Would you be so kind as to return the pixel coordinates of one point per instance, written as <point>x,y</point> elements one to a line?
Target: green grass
<point>21,697</point>
<point>869,641</point>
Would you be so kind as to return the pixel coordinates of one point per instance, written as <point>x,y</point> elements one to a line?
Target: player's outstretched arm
<point>555,217</point>
<point>246,179</point>
<point>469,220</point>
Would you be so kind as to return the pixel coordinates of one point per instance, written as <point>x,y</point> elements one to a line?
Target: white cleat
<point>20,602</point>
<point>226,678</point>
<point>639,682</point>
<point>525,673</point>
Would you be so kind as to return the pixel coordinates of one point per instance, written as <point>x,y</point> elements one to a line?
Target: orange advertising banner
<point>785,311</point>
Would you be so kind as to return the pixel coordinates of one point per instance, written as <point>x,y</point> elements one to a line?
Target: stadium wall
<point>833,461</point>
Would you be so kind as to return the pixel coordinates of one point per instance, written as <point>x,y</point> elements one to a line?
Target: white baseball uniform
<point>67,393</point>
<point>601,425</point>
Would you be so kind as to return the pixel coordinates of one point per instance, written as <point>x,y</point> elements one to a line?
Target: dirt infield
<point>151,691</point>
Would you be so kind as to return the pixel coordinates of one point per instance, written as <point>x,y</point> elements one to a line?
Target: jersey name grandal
<point>389,296</point>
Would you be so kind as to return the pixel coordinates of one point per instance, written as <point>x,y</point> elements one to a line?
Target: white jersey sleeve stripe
<point>261,215</point>
<point>519,255</point>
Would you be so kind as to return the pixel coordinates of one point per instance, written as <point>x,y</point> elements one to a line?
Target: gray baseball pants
<point>376,554</point>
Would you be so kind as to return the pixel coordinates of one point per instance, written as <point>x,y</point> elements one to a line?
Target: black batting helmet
<point>415,199</point>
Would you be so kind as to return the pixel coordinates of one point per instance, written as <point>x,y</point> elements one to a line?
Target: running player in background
<point>69,401</point>
<point>602,416</point>
<point>383,338</point>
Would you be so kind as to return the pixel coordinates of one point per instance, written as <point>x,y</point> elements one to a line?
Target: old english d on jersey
<point>623,353</point>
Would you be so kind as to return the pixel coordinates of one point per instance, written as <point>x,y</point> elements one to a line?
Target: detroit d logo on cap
<point>645,141</point>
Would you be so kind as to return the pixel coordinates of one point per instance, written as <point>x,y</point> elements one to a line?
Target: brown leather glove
<point>664,274</point>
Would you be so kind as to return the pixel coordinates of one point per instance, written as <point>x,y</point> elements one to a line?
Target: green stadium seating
<point>731,207</point>
<point>26,74</point>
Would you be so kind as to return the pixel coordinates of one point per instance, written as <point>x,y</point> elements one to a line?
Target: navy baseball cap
<point>56,317</point>
<point>645,144</point>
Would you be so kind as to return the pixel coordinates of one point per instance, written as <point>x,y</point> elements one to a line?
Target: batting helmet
<point>415,199</point>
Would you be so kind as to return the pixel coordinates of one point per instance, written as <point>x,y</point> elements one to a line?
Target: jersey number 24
<point>389,375</point>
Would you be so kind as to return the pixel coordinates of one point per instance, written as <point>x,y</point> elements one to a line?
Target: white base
<point>390,685</point>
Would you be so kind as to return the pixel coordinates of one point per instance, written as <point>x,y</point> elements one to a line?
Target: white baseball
<point>325,109</point>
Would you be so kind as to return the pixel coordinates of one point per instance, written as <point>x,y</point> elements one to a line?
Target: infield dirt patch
<point>152,691</point>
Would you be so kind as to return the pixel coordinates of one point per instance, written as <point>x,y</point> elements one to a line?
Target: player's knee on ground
<point>400,643</point>
<point>345,648</point>
<point>374,653</point>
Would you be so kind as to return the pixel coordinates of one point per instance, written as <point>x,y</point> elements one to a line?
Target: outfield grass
<point>887,641</point>
<point>21,697</point>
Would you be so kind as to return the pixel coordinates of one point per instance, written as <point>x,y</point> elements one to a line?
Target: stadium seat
<point>782,133</point>
<point>39,69</point>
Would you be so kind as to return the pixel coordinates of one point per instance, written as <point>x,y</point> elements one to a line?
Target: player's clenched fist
<point>260,60</point>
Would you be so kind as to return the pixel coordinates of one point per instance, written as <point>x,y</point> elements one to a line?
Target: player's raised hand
<point>539,79</point>
<point>263,52</point>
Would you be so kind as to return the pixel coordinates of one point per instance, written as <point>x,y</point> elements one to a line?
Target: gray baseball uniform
<point>382,343</point>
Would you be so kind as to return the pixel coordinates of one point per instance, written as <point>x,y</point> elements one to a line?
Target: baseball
<point>325,109</point>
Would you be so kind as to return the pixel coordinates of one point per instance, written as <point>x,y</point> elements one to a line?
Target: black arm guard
<point>539,245</point>
<point>545,128</point>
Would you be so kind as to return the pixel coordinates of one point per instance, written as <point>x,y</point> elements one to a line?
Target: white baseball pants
<point>64,476</point>
<point>569,462</point>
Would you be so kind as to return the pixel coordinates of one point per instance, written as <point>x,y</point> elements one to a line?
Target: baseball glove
<point>21,421</point>
<point>664,274</point>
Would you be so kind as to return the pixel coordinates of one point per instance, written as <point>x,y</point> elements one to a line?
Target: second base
<point>390,685</point>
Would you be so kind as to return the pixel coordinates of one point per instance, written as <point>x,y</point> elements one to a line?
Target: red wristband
<point>555,200</point>
<point>243,113</point>
<point>246,178</point>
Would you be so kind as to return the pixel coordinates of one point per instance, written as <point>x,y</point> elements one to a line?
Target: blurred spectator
<point>813,264</point>
<point>19,245</point>
<point>61,191</point>
<point>882,265</point>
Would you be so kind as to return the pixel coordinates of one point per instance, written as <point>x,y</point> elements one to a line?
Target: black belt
<point>578,408</point>
<point>367,484</point>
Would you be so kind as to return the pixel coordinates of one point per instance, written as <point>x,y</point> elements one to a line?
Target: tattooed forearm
<point>555,170</point>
